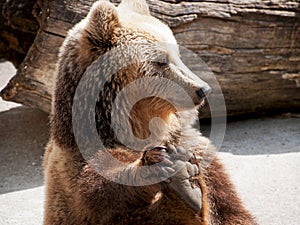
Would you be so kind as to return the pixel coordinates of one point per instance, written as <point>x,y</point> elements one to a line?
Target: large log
<point>253,48</point>
<point>18,28</point>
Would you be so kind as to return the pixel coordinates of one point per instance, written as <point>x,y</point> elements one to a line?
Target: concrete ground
<point>261,155</point>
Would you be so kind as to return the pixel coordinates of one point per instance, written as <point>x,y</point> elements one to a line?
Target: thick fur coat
<point>75,192</point>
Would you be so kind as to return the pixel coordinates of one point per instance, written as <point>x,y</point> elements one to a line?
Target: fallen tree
<point>252,47</point>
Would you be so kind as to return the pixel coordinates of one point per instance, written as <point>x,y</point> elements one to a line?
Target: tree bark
<point>18,28</point>
<point>252,47</point>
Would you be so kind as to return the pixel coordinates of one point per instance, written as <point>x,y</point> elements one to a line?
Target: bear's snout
<point>203,92</point>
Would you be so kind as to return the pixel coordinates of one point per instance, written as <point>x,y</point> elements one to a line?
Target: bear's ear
<point>139,6</point>
<point>101,22</point>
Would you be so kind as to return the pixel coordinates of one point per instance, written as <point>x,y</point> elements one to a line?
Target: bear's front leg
<point>142,178</point>
<point>153,167</point>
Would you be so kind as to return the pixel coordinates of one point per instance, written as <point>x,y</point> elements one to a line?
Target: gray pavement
<point>261,155</point>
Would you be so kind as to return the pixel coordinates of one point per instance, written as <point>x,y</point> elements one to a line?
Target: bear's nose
<point>204,91</point>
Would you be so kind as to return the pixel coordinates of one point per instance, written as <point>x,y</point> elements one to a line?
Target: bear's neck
<point>162,126</point>
<point>148,121</point>
<point>171,127</point>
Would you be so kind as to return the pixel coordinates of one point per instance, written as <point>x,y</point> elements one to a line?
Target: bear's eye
<point>162,63</point>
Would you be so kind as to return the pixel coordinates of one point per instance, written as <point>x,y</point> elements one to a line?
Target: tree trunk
<point>252,47</point>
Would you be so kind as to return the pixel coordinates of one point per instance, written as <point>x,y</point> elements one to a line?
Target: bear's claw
<point>156,155</point>
<point>180,172</point>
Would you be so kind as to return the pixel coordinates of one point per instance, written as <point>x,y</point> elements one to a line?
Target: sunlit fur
<point>75,193</point>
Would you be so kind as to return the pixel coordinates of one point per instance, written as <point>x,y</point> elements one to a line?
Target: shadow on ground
<point>23,135</point>
<point>270,135</point>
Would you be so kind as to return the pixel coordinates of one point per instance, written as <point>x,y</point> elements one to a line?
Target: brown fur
<point>75,192</point>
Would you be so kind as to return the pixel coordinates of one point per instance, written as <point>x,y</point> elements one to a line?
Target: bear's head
<point>144,67</point>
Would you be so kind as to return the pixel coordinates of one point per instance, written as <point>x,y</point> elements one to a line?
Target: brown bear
<point>174,187</point>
